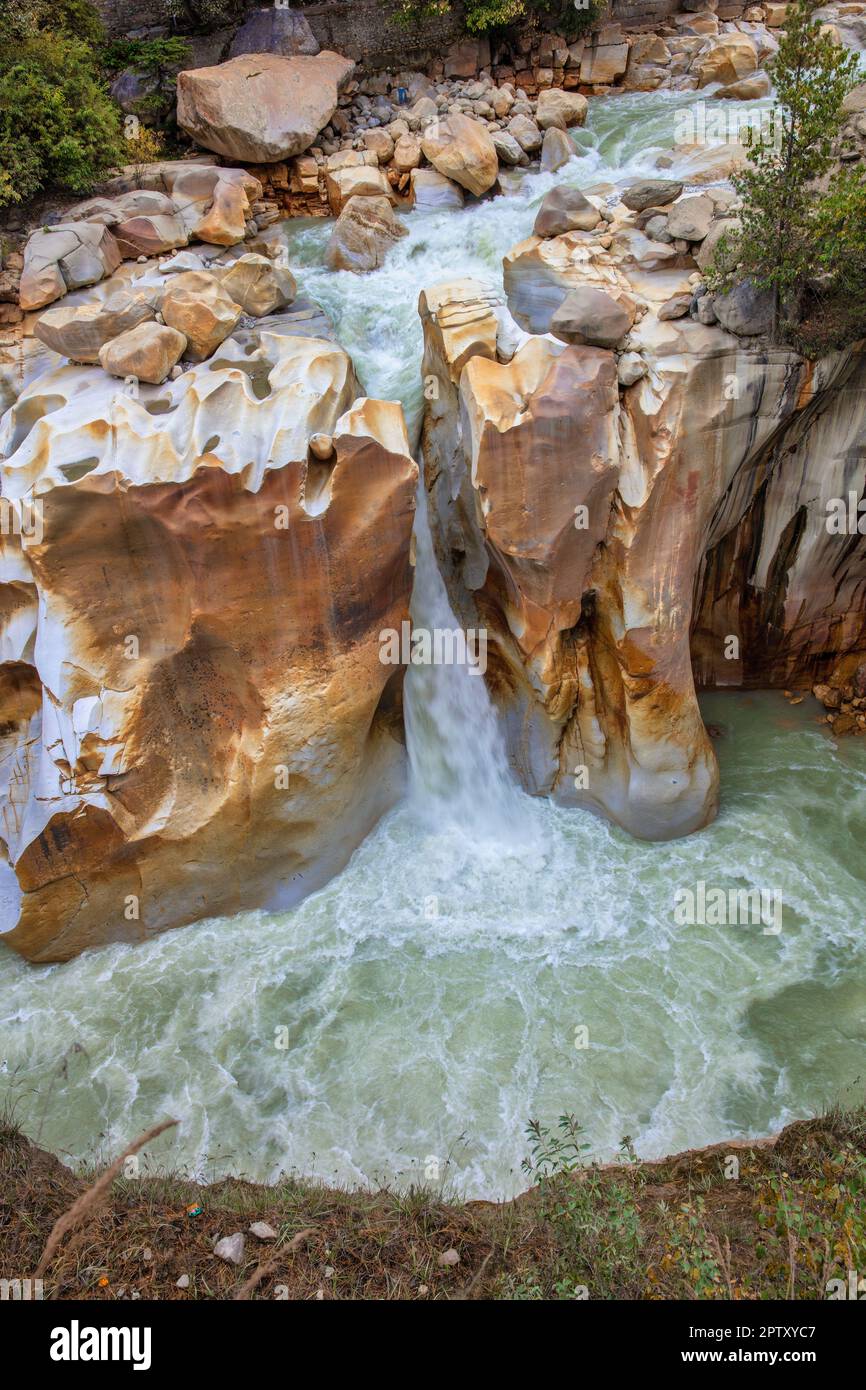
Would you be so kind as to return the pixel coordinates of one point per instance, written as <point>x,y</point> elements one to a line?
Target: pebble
<point>230,1248</point>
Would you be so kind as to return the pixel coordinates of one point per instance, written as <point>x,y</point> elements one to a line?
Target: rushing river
<point>406,1021</point>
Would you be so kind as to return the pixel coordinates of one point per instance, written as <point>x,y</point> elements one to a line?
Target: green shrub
<point>58,125</point>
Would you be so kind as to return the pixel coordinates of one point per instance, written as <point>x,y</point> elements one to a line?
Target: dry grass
<point>678,1228</point>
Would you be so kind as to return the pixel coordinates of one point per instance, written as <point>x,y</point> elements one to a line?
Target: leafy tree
<point>782,210</point>
<point>58,125</point>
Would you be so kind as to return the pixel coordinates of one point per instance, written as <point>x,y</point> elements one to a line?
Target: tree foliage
<point>58,125</point>
<point>787,224</point>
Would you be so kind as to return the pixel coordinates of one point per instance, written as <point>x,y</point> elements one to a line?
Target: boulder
<point>675,308</point>
<point>196,304</point>
<point>556,150</point>
<point>258,586</point>
<point>565,210</point>
<point>363,233</point>
<point>747,89</point>
<point>690,218</point>
<point>380,143</point>
<point>407,153</point>
<point>147,353</point>
<point>215,204</point>
<point>150,235</point>
<point>65,257</point>
<point>360,181</point>
<point>651,193</point>
<point>731,57</point>
<point>526,133</point>
<point>274,30</point>
<point>705,253</point>
<point>258,285</point>
<point>745,310</point>
<point>79,333</point>
<point>590,316</point>
<point>462,150</point>
<point>603,63</point>
<point>507,148</point>
<point>260,108</point>
<point>430,191</point>
<point>560,109</point>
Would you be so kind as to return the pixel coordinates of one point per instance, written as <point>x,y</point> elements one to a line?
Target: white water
<point>432,991</point>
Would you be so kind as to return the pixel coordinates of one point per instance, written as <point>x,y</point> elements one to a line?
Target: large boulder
<point>745,310</point>
<point>556,151</point>
<point>565,210</point>
<point>690,218</point>
<point>526,133</point>
<point>363,234</point>
<point>274,30</point>
<point>462,150</point>
<point>150,235</point>
<point>196,304</point>
<point>560,109</point>
<point>430,191</point>
<point>192,650</point>
<point>591,316</point>
<point>63,258</point>
<point>146,353</point>
<point>729,58</point>
<point>78,333</point>
<point>258,285</point>
<point>261,108</point>
<point>361,180</point>
<point>651,193</point>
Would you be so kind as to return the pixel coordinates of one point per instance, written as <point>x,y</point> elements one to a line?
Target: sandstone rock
<point>79,333</point>
<point>747,89</point>
<point>774,16</point>
<point>407,153</point>
<point>507,149</point>
<point>589,316</point>
<point>272,30</point>
<point>651,193</point>
<point>258,285</point>
<point>65,257</point>
<point>380,142</point>
<point>630,368</point>
<point>430,191</point>
<point>526,133</point>
<point>745,310</point>
<point>362,181</point>
<point>261,107</point>
<point>462,150</point>
<point>197,306</point>
<point>254,706</point>
<point>565,210</point>
<point>676,307</point>
<point>722,226</point>
<point>731,57</point>
<point>150,236</point>
<point>560,109</point>
<point>603,63</point>
<point>855,100</point>
<point>213,203</point>
<point>690,218</point>
<point>556,150</point>
<point>364,231</point>
<point>147,353</point>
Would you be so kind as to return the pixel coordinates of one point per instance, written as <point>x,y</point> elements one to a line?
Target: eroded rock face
<point>597,515</point>
<point>261,107</point>
<point>195,716</point>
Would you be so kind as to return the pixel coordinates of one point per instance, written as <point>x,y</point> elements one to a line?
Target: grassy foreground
<point>776,1218</point>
